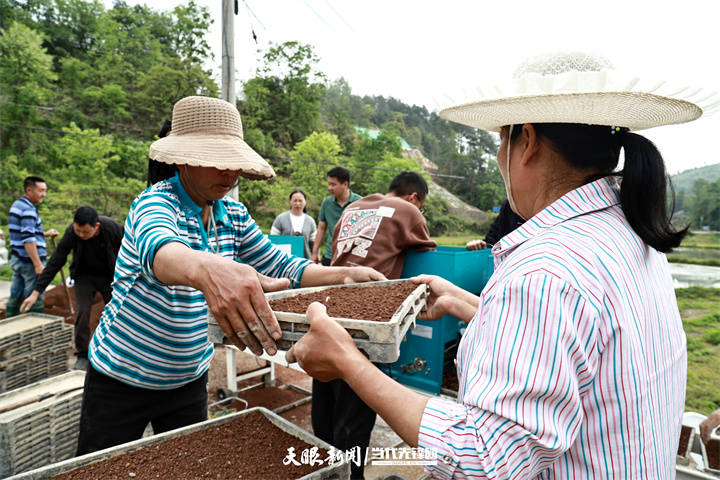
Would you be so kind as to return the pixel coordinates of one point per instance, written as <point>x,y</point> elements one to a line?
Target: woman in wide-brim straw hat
<point>180,256</point>
<point>573,364</point>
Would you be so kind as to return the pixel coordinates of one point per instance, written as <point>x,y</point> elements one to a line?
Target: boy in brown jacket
<point>374,231</point>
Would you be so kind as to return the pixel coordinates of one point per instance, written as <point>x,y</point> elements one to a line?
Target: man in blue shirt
<point>27,244</point>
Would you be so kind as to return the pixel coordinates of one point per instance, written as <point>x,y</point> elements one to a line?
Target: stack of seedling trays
<point>379,339</point>
<point>253,443</point>
<point>39,423</point>
<point>32,347</point>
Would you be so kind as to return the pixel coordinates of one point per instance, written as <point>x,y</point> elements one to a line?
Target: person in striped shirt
<point>573,364</point>
<point>187,248</point>
<point>28,249</point>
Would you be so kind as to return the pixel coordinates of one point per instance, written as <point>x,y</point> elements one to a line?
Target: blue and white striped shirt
<point>575,364</point>
<point>153,335</point>
<point>25,226</point>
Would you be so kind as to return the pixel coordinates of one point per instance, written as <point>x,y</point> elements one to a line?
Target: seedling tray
<point>379,340</point>
<point>337,471</point>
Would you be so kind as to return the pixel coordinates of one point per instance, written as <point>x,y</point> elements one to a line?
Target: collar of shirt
<point>27,200</point>
<point>351,198</point>
<point>594,196</point>
<point>193,209</point>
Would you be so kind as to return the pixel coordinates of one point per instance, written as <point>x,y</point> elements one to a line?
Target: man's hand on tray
<point>363,274</point>
<point>326,351</point>
<point>316,275</point>
<point>445,298</point>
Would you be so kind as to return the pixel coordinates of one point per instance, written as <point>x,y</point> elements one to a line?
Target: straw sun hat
<point>207,132</point>
<point>573,87</point>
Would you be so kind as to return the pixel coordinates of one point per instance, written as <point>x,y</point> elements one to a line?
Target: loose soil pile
<point>377,303</point>
<point>250,447</point>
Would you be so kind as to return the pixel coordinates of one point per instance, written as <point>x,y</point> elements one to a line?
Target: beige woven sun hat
<point>576,87</point>
<point>207,132</point>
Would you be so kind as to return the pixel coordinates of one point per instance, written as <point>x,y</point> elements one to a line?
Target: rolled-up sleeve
<point>532,354</point>
<point>153,221</point>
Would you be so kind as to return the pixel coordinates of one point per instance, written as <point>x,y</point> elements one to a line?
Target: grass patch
<point>6,273</point>
<point>458,240</point>
<point>700,312</point>
<point>702,240</point>
<point>710,262</point>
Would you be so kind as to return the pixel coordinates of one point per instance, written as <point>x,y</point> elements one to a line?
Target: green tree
<point>367,155</point>
<point>81,155</point>
<point>188,32</point>
<point>705,209</point>
<point>26,78</point>
<point>311,159</point>
<point>335,113</point>
<point>163,85</point>
<point>386,170</point>
<point>284,99</point>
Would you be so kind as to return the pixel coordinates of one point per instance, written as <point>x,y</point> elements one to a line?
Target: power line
<point>256,17</point>
<point>317,14</point>
<point>340,16</point>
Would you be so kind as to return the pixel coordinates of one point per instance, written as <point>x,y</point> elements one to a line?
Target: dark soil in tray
<point>713,454</point>
<point>450,378</point>
<point>685,432</point>
<point>268,397</point>
<point>250,447</point>
<point>377,303</point>
<point>300,416</point>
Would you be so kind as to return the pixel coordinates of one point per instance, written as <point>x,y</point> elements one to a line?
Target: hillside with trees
<point>697,197</point>
<point>85,89</point>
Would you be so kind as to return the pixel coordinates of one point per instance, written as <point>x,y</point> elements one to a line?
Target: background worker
<point>504,223</point>
<point>375,231</point>
<point>296,222</point>
<point>94,241</point>
<point>27,244</point>
<point>708,426</point>
<point>187,249</point>
<point>332,206</point>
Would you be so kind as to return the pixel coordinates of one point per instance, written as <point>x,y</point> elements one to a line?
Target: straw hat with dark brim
<point>207,132</point>
<point>572,87</point>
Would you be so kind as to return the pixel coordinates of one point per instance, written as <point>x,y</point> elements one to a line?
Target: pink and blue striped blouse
<point>575,364</point>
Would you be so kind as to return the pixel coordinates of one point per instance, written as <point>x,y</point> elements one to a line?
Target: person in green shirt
<point>332,206</point>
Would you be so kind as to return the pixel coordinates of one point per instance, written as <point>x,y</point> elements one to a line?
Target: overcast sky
<point>420,50</point>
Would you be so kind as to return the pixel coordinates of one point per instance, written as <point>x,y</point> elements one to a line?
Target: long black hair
<point>643,185</point>
<point>158,171</point>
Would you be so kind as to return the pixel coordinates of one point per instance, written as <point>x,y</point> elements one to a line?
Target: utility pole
<point>229,10</point>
